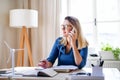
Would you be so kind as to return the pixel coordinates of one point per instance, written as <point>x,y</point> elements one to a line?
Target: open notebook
<point>65,68</point>
<point>30,71</point>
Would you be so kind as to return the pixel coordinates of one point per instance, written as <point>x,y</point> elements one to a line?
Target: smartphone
<point>73,30</point>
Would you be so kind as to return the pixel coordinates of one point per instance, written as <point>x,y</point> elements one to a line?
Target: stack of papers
<point>3,71</point>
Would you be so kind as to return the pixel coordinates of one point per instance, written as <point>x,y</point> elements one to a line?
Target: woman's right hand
<point>43,63</point>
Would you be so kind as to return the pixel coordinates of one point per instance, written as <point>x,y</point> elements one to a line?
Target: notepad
<point>65,68</point>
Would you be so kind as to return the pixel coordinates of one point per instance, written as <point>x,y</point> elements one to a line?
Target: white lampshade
<point>23,17</point>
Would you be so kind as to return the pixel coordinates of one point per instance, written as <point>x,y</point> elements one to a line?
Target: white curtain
<point>43,37</point>
<point>7,33</point>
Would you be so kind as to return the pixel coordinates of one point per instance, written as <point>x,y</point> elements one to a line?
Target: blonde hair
<point>82,42</point>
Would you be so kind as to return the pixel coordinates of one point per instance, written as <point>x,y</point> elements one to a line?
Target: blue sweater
<point>58,51</point>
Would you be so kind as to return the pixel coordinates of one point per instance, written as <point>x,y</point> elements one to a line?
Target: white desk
<point>110,74</point>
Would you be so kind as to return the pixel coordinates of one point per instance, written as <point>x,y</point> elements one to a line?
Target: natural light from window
<point>100,20</point>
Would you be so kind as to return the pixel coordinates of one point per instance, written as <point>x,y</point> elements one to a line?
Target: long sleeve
<point>83,53</point>
<point>58,51</point>
<point>54,52</point>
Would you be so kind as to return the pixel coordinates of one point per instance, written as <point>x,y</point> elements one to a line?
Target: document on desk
<point>65,68</point>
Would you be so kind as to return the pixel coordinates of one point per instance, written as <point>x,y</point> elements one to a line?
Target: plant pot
<point>106,54</point>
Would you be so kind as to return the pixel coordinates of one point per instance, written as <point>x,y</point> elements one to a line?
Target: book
<point>49,72</point>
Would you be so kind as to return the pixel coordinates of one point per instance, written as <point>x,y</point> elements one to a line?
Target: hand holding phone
<point>73,30</point>
<point>72,37</point>
<point>73,33</point>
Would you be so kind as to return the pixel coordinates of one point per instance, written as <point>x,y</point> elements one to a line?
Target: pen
<point>92,65</point>
<point>101,63</point>
<point>88,74</point>
<point>82,73</point>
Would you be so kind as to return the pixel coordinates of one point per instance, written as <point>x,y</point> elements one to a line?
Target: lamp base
<point>24,38</point>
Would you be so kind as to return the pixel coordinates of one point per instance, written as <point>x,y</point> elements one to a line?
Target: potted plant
<point>116,53</point>
<point>108,52</point>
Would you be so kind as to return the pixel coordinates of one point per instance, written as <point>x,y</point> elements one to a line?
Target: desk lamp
<point>24,18</point>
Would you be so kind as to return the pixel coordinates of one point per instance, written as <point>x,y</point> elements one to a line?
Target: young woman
<point>71,48</point>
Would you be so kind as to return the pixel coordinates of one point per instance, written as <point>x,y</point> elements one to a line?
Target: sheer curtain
<point>43,37</point>
<point>100,20</point>
<point>7,33</point>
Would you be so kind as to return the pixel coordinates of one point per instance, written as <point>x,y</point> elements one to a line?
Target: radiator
<point>107,63</point>
<point>112,64</point>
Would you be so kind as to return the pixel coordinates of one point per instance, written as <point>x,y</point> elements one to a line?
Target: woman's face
<point>66,28</point>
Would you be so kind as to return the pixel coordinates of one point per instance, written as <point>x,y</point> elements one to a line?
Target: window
<point>108,21</point>
<point>100,20</point>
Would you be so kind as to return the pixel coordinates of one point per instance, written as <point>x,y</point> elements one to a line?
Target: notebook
<point>31,72</point>
<point>65,68</point>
